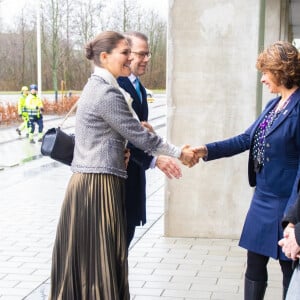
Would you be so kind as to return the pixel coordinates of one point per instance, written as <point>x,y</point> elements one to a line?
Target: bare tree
<point>23,43</point>
<point>51,25</point>
<point>66,26</point>
<point>66,45</point>
<point>88,23</point>
<point>156,75</point>
<point>129,15</point>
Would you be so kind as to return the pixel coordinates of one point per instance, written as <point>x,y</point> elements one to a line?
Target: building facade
<point>214,92</point>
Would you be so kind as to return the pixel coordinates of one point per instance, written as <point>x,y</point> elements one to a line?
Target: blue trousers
<point>39,122</point>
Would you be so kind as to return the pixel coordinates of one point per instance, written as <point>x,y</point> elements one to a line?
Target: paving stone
<point>160,267</point>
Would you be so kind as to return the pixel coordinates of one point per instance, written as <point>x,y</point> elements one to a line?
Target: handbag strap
<point>68,114</point>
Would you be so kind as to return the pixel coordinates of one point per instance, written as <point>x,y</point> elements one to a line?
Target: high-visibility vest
<point>33,105</point>
<point>22,104</point>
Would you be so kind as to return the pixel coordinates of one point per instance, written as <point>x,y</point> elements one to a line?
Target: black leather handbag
<point>59,145</point>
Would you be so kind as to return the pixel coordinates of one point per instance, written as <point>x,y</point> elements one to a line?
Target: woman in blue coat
<point>273,141</point>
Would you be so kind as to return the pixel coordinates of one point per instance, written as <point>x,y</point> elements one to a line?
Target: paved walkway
<point>160,267</point>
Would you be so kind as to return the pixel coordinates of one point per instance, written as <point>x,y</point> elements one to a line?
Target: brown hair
<point>282,59</point>
<point>105,41</point>
<point>130,34</point>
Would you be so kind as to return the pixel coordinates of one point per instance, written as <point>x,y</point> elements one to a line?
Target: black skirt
<point>89,259</point>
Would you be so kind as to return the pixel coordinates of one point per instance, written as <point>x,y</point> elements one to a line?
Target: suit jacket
<point>282,150</point>
<point>139,162</point>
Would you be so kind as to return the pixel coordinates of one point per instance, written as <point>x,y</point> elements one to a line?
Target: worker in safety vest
<point>34,106</point>
<point>22,112</point>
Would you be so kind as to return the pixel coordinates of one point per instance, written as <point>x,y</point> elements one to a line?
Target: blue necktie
<point>137,88</point>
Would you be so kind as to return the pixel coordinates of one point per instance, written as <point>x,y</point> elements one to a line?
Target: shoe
<point>32,142</point>
<point>40,140</point>
<point>18,131</point>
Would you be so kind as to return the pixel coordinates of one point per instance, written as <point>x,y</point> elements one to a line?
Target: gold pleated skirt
<point>89,259</point>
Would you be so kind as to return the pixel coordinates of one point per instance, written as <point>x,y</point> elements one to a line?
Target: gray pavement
<point>160,267</point>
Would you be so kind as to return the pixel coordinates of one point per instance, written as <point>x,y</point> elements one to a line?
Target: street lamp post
<point>38,45</point>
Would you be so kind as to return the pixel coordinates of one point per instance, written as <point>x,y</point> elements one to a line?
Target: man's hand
<point>169,166</point>
<point>289,244</point>
<point>126,156</point>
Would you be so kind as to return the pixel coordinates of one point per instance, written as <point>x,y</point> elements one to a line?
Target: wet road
<point>15,150</point>
<point>31,191</point>
<point>32,188</point>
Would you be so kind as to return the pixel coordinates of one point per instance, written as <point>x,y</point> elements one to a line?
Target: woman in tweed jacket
<point>90,255</point>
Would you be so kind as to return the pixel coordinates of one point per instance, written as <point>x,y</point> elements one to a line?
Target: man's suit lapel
<point>126,84</point>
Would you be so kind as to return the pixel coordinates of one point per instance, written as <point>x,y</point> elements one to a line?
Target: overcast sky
<point>8,7</point>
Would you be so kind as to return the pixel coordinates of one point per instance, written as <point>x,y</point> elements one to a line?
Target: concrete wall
<point>276,28</point>
<point>212,94</point>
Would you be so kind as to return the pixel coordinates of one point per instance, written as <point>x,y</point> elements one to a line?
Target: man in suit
<point>140,161</point>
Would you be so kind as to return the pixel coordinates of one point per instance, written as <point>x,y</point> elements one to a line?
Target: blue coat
<point>276,185</point>
<point>138,164</point>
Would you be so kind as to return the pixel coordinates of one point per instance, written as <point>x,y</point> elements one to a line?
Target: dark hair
<point>140,35</point>
<point>105,41</point>
<point>282,59</point>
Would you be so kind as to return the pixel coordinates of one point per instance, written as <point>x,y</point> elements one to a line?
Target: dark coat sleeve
<point>140,157</point>
<point>229,147</point>
<point>293,216</point>
<point>236,144</point>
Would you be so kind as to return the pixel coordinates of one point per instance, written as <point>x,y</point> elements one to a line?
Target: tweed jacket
<point>103,124</point>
